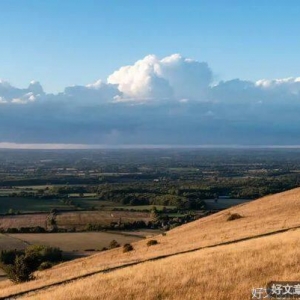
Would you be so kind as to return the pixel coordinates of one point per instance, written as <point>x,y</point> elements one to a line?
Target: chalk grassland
<point>79,241</point>
<point>225,272</point>
<point>262,216</point>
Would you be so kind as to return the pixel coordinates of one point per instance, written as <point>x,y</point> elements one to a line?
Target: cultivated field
<point>18,221</point>
<point>69,220</point>
<point>77,241</point>
<point>8,243</point>
<point>81,218</point>
<point>221,272</point>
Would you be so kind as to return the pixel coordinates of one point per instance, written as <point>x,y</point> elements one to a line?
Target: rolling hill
<point>211,258</point>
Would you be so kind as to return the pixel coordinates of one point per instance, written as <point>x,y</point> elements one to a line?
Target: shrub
<point>7,257</point>
<point>39,254</point>
<point>152,242</point>
<point>38,229</point>
<point>127,248</point>
<point>234,216</point>
<point>12,230</point>
<point>20,271</point>
<point>19,265</point>
<point>114,244</point>
<point>45,265</point>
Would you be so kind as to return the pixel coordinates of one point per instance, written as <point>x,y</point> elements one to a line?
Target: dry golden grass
<point>224,272</point>
<point>261,216</point>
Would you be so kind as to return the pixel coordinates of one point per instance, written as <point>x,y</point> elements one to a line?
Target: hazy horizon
<point>14,146</point>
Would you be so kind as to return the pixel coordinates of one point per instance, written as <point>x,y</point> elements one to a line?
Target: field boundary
<point>108,270</point>
<point>12,237</point>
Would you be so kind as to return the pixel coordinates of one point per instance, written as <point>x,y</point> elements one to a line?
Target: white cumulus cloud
<point>28,97</point>
<point>11,94</point>
<point>289,85</point>
<point>173,77</point>
<point>167,100</point>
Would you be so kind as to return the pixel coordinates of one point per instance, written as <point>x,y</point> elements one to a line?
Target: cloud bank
<point>173,100</point>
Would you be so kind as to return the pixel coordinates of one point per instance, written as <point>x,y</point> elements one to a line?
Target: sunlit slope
<point>262,216</point>
<point>224,272</point>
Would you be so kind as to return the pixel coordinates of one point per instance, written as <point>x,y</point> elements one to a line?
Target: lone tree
<point>20,265</point>
<point>20,270</point>
<point>154,215</point>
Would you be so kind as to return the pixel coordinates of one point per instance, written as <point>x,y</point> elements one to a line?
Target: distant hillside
<point>211,258</point>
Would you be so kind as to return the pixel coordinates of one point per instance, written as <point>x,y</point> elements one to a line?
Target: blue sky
<point>61,43</point>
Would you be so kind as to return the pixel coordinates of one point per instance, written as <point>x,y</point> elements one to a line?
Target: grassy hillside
<point>224,272</point>
<point>210,273</point>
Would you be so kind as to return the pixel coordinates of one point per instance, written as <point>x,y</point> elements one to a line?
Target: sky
<point>150,72</point>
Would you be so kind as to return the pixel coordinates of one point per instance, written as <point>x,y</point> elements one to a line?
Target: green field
<point>8,192</point>
<point>84,195</point>
<point>92,202</point>
<point>29,204</point>
<point>145,207</point>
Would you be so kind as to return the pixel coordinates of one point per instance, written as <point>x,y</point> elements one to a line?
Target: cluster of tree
<point>33,195</point>
<point>159,220</point>
<point>35,229</point>
<point>115,225</point>
<point>12,212</point>
<point>164,209</point>
<point>189,192</point>
<point>20,265</point>
<point>71,189</point>
<point>157,196</point>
